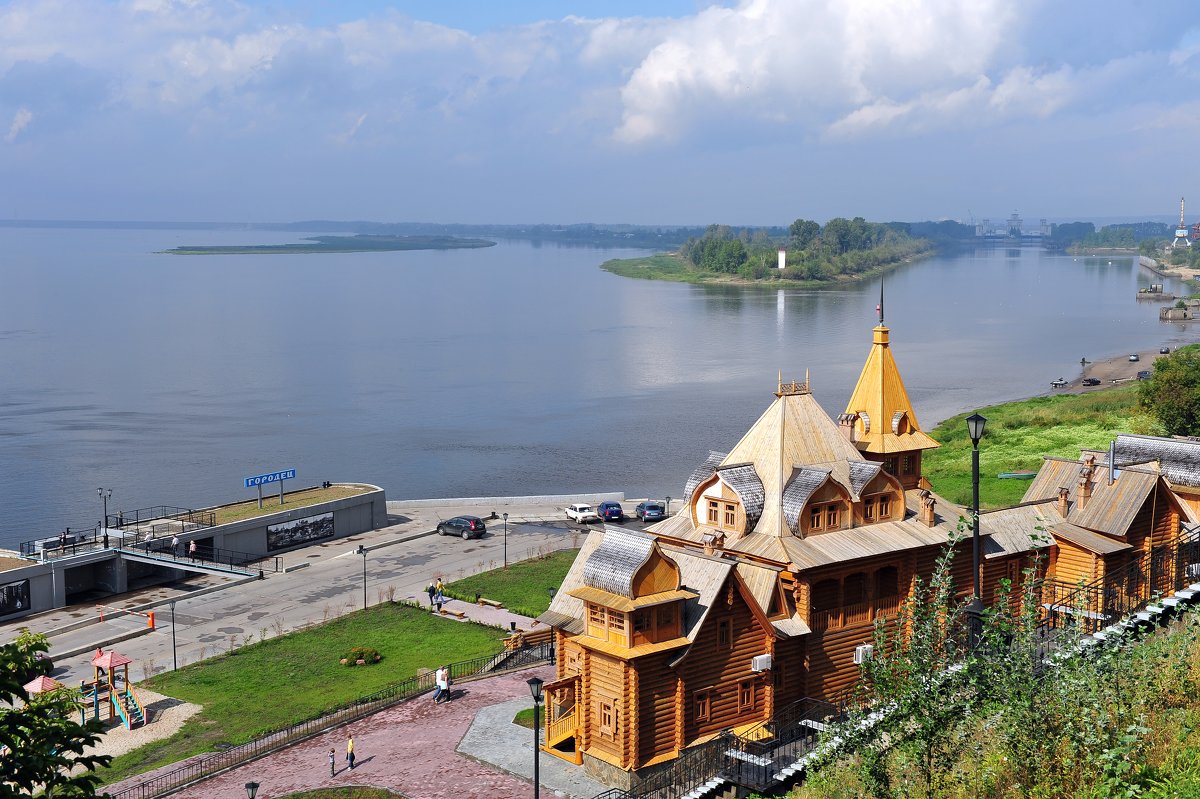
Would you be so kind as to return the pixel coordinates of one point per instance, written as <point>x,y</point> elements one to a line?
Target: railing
<point>162,516</point>
<point>204,555</point>
<point>563,727</point>
<point>757,757</point>
<point>397,692</point>
<point>1120,593</point>
<point>77,539</point>
<point>145,523</point>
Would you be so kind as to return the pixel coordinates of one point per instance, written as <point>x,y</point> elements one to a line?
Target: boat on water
<point>1020,474</point>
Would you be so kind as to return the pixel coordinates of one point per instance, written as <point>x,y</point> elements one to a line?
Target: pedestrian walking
<point>332,762</point>
<point>442,679</point>
<point>62,540</point>
<point>175,546</point>
<point>431,589</point>
<point>106,538</point>
<point>192,550</point>
<point>438,600</point>
<point>350,751</point>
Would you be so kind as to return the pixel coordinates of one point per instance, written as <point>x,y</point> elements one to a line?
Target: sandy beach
<point>1110,371</point>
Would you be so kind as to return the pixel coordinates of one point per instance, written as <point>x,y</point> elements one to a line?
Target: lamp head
<point>362,550</point>
<point>251,790</point>
<point>535,689</point>
<point>975,427</point>
<point>505,515</point>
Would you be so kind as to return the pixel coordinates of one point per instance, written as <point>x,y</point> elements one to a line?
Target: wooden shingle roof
<point>881,403</point>
<point>745,483</point>
<point>1110,509</point>
<point>1178,458</point>
<point>703,472</point>
<point>611,567</point>
<point>803,485</point>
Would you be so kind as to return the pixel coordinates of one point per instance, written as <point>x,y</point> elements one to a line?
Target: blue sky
<point>676,112</point>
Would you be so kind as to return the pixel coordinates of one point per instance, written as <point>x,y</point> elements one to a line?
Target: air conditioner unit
<point>760,663</point>
<point>863,653</point>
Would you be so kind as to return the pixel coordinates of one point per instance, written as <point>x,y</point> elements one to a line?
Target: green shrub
<point>363,653</point>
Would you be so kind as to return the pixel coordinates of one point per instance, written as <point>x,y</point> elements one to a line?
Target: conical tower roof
<point>886,422</point>
<point>793,431</point>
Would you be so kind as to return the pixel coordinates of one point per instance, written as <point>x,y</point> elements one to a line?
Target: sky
<point>756,112</point>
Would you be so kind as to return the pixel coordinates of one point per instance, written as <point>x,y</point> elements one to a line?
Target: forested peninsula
<point>338,244</point>
<point>842,250</point>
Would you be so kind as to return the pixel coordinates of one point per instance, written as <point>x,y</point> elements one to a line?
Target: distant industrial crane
<point>1181,232</point>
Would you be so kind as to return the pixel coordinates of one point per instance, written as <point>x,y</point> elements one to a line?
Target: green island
<point>363,242</point>
<point>840,251</point>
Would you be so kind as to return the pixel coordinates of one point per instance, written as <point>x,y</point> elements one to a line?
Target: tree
<point>1172,394</point>
<point>44,739</point>
<point>803,232</point>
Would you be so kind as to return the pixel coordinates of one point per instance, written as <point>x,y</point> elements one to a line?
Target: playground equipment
<point>112,689</point>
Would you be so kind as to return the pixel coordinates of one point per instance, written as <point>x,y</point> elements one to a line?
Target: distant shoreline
<point>363,242</point>
<point>671,267</point>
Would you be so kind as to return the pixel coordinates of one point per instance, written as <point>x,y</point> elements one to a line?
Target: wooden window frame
<point>714,512</point>
<point>642,621</point>
<point>607,717</point>
<point>724,634</point>
<point>833,516</point>
<point>597,615</point>
<point>702,706</point>
<point>745,695</point>
<point>906,464</point>
<point>730,516</point>
<point>816,515</point>
<point>883,507</point>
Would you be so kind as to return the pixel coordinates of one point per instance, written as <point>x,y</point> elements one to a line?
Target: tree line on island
<point>842,248</point>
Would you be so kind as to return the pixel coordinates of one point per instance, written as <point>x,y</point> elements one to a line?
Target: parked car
<point>1091,381</point>
<point>611,511</point>
<point>1133,358</point>
<point>582,513</point>
<point>1144,374</point>
<point>465,526</point>
<point>1059,383</point>
<point>650,511</point>
<point>1164,350</point>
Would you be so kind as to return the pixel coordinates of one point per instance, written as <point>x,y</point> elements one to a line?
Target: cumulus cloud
<point>815,63</point>
<point>21,119</point>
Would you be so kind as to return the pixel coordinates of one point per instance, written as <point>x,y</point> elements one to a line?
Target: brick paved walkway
<point>409,748</point>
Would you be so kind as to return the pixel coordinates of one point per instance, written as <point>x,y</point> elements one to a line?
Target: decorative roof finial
<point>879,307</point>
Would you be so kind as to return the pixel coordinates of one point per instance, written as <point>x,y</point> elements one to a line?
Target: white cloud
<point>21,120</point>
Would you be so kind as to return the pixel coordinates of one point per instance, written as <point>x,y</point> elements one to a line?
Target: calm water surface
<point>509,370</point>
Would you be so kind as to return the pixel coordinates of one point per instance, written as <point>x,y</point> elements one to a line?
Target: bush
<point>363,653</point>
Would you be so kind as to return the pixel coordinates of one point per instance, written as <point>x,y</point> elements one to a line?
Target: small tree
<point>44,740</point>
<point>1172,394</point>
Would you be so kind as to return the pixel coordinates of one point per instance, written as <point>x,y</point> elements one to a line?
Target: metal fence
<point>210,765</point>
<point>204,555</point>
<point>161,515</point>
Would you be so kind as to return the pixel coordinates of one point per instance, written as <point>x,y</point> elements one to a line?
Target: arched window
<point>825,595</point>
<point>854,589</point>
<point>887,582</point>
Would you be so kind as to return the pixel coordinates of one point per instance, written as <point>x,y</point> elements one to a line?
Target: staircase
<point>128,708</point>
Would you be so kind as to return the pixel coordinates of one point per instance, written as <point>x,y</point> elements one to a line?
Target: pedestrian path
<point>412,749</point>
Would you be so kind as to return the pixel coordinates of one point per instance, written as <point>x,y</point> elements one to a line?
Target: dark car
<point>610,512</point>
<point>1164,350</point>
<point>1090,381</point>
<point>1144,374</point>
<point>650,511</point>
<point>465,526</point>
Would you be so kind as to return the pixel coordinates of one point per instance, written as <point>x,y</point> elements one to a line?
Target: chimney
<point>928,506</point>
<point>846,425</point>
<point>1062,501</point>
<point>1085,481</point>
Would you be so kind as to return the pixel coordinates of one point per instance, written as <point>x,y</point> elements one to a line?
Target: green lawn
<point>1018,434</point>
<point>311,496</point>
<point>524,718</point>
<point>285,680</point>
<point>522,587</point>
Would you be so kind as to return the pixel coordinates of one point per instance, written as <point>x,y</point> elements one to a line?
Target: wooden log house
<point>765,588</point>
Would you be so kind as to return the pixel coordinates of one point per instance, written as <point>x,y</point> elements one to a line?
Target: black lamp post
<point>975,428</point>
<point>104,494</point>
<point>174,660</point>
<point>251,790</point>
<point>363,551</point>
<point>668,511</point>
<point>505,515</point>
<point>535,688</point>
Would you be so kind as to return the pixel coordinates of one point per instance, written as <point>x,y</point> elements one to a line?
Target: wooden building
<point>764,589</point>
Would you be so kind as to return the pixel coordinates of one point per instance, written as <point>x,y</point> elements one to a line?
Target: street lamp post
<point>104,494</point>
<point>976,425</point>
<point>535,688</point>
<point>668,503</point>
<point>174,659</point>
<point>505,515</point>
<point>363,551</point>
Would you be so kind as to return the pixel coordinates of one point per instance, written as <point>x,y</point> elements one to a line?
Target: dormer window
<point>825,516</point>
<point>722,514</point>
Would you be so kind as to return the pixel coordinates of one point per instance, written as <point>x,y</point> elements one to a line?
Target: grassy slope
<point>522,588</point>
<point>285,680</point>
<point>1018,435</point>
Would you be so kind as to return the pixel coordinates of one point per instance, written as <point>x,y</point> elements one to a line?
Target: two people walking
<point>436,597</point>
<point>441,680</point>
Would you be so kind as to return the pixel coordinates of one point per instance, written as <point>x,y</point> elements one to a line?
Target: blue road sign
<point>272,477</point>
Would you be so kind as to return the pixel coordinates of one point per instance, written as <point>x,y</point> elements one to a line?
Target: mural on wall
<point>299,531</point>
<point>14,597</point>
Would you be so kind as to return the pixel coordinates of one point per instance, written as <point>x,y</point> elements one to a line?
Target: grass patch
<point>349,792</point>
<point>285,680</point>
<point>661,266</point>
<point>295,499</point>
<point>1018,435</point>
<point>524,718</point>
<point>522,588</point>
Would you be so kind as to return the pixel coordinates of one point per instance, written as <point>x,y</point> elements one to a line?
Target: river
<point>515,369</point>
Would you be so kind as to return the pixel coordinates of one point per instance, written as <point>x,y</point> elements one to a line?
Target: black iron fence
<point>139,525</point>
<point>209,765</point>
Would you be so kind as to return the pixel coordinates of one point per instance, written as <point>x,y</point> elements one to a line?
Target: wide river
<point>510,370</point>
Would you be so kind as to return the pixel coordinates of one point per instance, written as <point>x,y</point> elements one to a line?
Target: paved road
<point>402,557</point>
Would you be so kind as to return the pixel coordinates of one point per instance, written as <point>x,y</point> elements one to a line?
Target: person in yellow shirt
<point>350,750</point>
